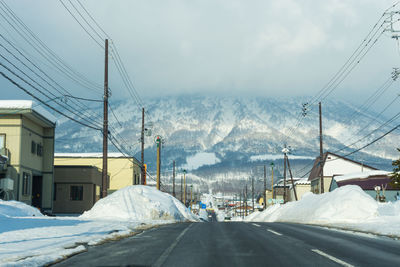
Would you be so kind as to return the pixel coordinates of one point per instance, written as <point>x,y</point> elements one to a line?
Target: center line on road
<point>332,258</point>
<point>272,231</point>
<point>256,224</point>
<point>168,251</point>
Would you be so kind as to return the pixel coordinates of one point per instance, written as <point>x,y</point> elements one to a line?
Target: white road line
<point>256,224</point>
<point>343,263</point>
<point>168,251</point>
<point>272,231</point>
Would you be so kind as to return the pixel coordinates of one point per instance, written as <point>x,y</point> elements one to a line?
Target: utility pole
<point>105,126</point>
<point>158,142</point>
<point>184,187</point>
<point>240,205</point>
<point>291,177</point>
<point>142,153</point>
<point>321,152</point>
<point>181,188</point>
<point>245,196</point>
<point>252,191</point>
<point>284,177</point>
<point>272,180</point>
<point>173,178</point>
<point>191,197</point>
<point>265,187</point>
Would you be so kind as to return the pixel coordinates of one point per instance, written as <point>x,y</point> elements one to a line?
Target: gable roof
<point>316,169</point>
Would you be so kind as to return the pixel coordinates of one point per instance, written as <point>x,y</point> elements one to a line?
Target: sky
<point>243,48</point>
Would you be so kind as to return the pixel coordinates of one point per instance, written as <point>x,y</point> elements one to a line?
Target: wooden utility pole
<point>272,180</point>
<point>173,178</point>
<point>265,187</point>
<point>184,187</point>
<point>284,179</point>
<point>321,152</point>
<point>291,177</point>
<point>104,183</point>
<point>181,188</point>
<point>142,153</point>
<point>240,205</point>
<point>158,141</point>
<point>252,191</point>
<point>245,196</point>
<point>191,196</point>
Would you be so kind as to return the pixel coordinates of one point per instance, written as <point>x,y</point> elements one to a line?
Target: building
<point>374,183</point>
<point>281,191</point>
<point>27,153</point>
<point>76,188</point>
<point>302,187</point>
<point>333,165</point>
<point>123,171</point>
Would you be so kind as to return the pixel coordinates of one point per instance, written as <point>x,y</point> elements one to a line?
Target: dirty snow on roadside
<point>347,207</point>
<point>29,238</point>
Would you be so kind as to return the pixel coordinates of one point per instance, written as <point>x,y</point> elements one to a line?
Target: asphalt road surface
<point>242,244</point>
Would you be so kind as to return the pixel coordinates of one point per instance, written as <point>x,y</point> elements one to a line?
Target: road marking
<point>168,251</point>
<point>256,224</point>
<point>272,231</point>
<point>332,258</point>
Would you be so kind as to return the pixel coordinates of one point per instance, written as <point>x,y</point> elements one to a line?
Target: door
<point>37,182</point>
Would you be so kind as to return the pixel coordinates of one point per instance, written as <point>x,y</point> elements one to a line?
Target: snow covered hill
<point>234,132</point>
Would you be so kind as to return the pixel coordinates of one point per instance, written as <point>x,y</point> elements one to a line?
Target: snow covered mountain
<point>233,133</point>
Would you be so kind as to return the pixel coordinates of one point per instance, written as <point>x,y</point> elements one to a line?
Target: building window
<point>25,183</point>
<point>2,141</point>
<point>33,147</point>
<point>76,192</point>
<point>39,150</point>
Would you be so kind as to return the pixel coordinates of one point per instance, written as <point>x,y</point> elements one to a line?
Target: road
<point>242,244</point>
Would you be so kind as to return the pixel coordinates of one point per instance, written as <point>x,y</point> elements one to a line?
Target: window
<point>39,151</point>
<point>76,192</point>
<point>2,141</point>
<point>25,183</point>
<point>33,147</point>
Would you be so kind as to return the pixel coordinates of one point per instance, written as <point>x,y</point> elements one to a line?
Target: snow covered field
<point>347,207</point>
<point>31,239</point>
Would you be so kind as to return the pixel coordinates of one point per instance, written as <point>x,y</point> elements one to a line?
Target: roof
<point>303,181</point>
<point>25,106</point>
<point>369,182</point>
<point>361,175</point>
<point>316,169</point>
<point>90,155</point>
<point>93,155</point>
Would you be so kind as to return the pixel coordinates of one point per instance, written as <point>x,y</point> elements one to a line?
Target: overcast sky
<point>262,48</point>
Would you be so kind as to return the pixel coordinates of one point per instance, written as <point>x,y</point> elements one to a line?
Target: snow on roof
<point>303,181</point>
<point>22,105</point>
<point>90,155</point>
<point>360,175</point>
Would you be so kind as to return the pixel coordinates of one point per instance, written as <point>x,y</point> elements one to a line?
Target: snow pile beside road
<point>139,203</point>
<point>346,207</point>
<point>17,209</point>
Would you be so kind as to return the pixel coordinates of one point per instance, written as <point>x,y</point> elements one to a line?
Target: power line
<point>40,47</point>
<point>44,103</point>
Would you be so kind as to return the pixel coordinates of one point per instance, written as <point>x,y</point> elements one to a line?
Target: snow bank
<point>17,209</point>
<point>346,207</point>
<point>27,238</point>
<point>139,203</point>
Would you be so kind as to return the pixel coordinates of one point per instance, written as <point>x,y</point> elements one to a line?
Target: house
<point>123,170</point>
<point>76,188</point>
<point>333,165</point>
<point>369,181</point>
<point>280,191</point>
<point>302,187</point>
<point>27,151</point>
